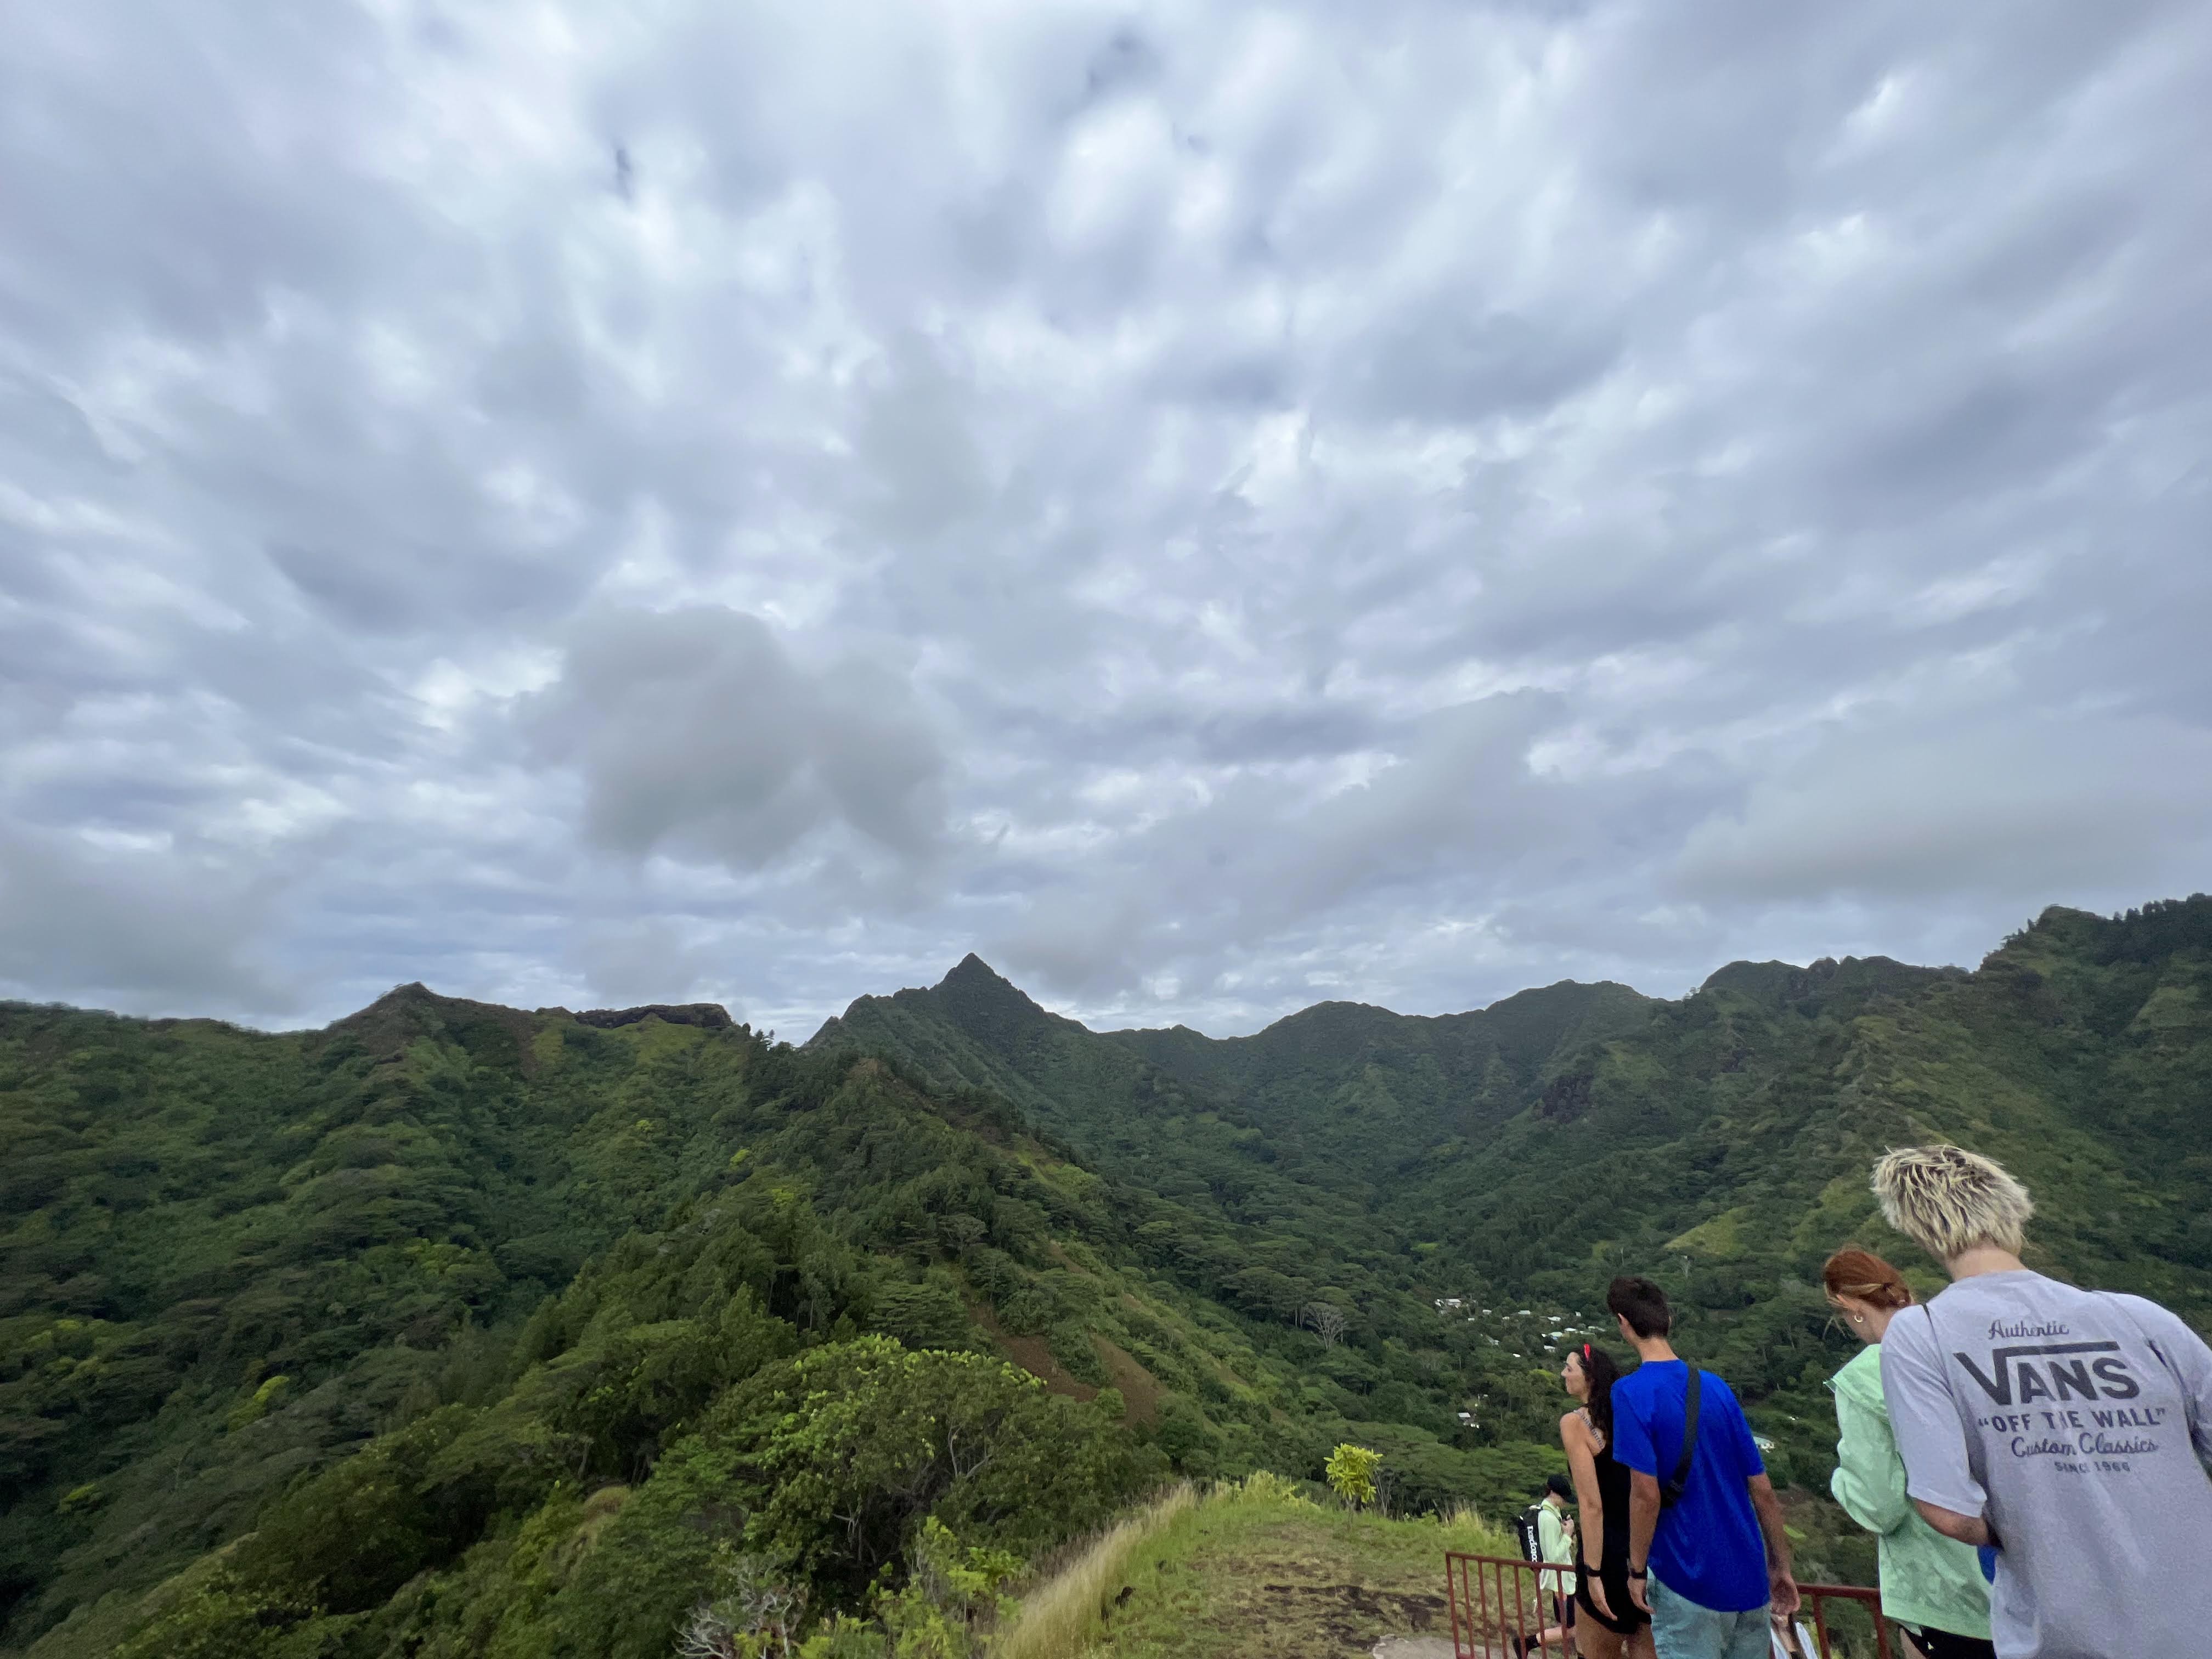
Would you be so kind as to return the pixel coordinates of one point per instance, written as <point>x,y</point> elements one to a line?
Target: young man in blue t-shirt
<point>1696,1565</point>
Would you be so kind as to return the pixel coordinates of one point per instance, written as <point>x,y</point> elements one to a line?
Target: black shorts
<point>1613,1575</point>
<point>1943,1644</point>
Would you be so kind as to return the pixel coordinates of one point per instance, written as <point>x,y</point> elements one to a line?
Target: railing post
<point>1471,1580</point>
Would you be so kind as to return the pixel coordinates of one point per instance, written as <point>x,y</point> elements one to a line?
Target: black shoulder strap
<point>1671,1493</point>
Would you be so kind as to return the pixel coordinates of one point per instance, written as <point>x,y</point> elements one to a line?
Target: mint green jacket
<point>1926,1578</point>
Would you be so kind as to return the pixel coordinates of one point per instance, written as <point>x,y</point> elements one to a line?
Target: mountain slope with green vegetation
<point>457,1329</point>
<point>314,1302</point>
<point>1724,1147</point>
<point>1344,1086</point>
<point>1284,1154</point>
<point>1720,1143</point>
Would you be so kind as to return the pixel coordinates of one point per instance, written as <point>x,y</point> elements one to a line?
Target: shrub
<point>1351,1470</point>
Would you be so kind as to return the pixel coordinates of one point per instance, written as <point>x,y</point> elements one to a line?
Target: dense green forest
<point>455,1329</point>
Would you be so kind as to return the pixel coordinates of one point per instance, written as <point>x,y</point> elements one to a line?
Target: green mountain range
<point>456,1329</point>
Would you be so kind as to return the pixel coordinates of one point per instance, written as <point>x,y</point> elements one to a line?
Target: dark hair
<point>1642,1303</point>
<point>1862,1274</point>
<point>1601,1372</point>
<point>1561,1485</point>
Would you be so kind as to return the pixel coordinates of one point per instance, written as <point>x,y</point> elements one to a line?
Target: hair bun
<point>1865,1277</point>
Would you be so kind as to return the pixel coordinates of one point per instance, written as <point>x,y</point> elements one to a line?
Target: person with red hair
<point>1930,1585</point>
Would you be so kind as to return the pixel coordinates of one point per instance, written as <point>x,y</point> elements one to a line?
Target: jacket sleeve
<point>1552,1536</point>
<point>1870,1478</point>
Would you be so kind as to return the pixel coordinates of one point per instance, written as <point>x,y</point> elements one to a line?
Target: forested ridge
<point>458,1329</point>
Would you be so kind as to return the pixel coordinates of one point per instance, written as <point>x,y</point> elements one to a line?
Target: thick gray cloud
<point>1212,506</point>
<point>643,961</point>
<point>694,730</point>
<point>1971,803</point>
<point>121,924</point>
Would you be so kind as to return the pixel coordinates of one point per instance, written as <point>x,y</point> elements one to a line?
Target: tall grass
<point>1069,1609</point>
<point>1066,1610</point>
<point>1473,1533</point>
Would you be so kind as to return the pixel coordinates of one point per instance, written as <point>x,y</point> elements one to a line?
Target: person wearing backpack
<point>1545,1529</point>
<point>2071,1428</point>
<point>1708,1558</point>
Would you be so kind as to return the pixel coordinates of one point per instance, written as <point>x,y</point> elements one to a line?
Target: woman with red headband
<point>1610,1623</point>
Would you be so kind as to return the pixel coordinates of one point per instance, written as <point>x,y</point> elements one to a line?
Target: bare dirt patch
<point>1034,1355</point>
<point>1139,1388</point>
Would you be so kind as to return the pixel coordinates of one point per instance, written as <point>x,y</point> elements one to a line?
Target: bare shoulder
<point>1576,1426</point>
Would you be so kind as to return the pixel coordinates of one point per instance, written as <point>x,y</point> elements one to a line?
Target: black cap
<point>1561,1485</point>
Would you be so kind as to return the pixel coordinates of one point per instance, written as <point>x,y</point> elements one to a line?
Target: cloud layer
<point>1214,507</point>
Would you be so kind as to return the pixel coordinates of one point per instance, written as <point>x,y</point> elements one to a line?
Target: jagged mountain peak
<point>972,969</point>
<point>417,1000</point>
<point>407,1012</point>
<point>982,999</point>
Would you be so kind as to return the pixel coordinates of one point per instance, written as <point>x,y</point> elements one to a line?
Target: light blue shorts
<point>1680,1629</point>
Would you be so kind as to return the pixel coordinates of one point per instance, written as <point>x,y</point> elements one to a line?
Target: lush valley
<point>460,1329</point>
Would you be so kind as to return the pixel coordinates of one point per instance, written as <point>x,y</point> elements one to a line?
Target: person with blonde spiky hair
<point>1947,1200</point>
<point>2069,1429</point>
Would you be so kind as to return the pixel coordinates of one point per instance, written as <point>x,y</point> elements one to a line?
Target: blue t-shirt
<point>1707,1548</point>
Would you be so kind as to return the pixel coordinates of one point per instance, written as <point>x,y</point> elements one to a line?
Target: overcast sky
<point>1212,506</point>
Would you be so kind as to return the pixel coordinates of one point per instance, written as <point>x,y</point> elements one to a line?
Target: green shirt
<point>1926,1578</point>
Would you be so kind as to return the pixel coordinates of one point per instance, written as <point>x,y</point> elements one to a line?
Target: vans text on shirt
<point>2079,1424</point>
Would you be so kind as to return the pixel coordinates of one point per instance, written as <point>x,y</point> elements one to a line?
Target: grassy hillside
<point>1249,1572</point>
<point>1257,1571</point>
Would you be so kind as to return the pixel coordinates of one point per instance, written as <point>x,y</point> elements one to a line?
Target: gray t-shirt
<point>2079,1423</point>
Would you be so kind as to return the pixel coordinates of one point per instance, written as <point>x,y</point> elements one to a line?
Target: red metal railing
<point>1498,1601</point>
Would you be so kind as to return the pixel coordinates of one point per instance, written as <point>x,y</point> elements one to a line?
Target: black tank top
<point>1612,1492</point>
